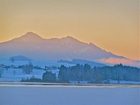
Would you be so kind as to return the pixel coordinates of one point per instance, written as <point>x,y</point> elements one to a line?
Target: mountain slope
<point>81,62</point>
<point>52,50</point>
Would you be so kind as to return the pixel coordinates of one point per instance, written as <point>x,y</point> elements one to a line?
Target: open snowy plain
<point>69,95</point>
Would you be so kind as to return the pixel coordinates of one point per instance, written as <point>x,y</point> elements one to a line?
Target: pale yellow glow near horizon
<point>110,24</point>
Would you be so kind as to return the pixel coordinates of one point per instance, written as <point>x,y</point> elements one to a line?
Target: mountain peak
<point>69,38</point>
<point>31,35</point>
<point>28,37</point>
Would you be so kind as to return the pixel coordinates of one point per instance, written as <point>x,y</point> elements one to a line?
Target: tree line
<point>80,73</point>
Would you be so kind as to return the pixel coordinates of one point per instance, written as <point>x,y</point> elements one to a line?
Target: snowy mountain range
<point>49,51</point>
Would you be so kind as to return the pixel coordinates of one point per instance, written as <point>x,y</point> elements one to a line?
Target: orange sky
<point>110,24</point>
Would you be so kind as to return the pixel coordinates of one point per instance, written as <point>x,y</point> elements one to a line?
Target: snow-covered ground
<point>13,74</point>
<point>75,95</point>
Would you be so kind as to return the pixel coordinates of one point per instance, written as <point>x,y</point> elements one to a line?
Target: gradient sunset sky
<point>110,24</point>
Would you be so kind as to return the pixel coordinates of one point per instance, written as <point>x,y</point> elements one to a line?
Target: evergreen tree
<point>49,77</point>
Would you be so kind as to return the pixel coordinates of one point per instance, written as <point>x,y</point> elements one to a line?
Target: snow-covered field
<point>69,95</point>
<point>18,75</point>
